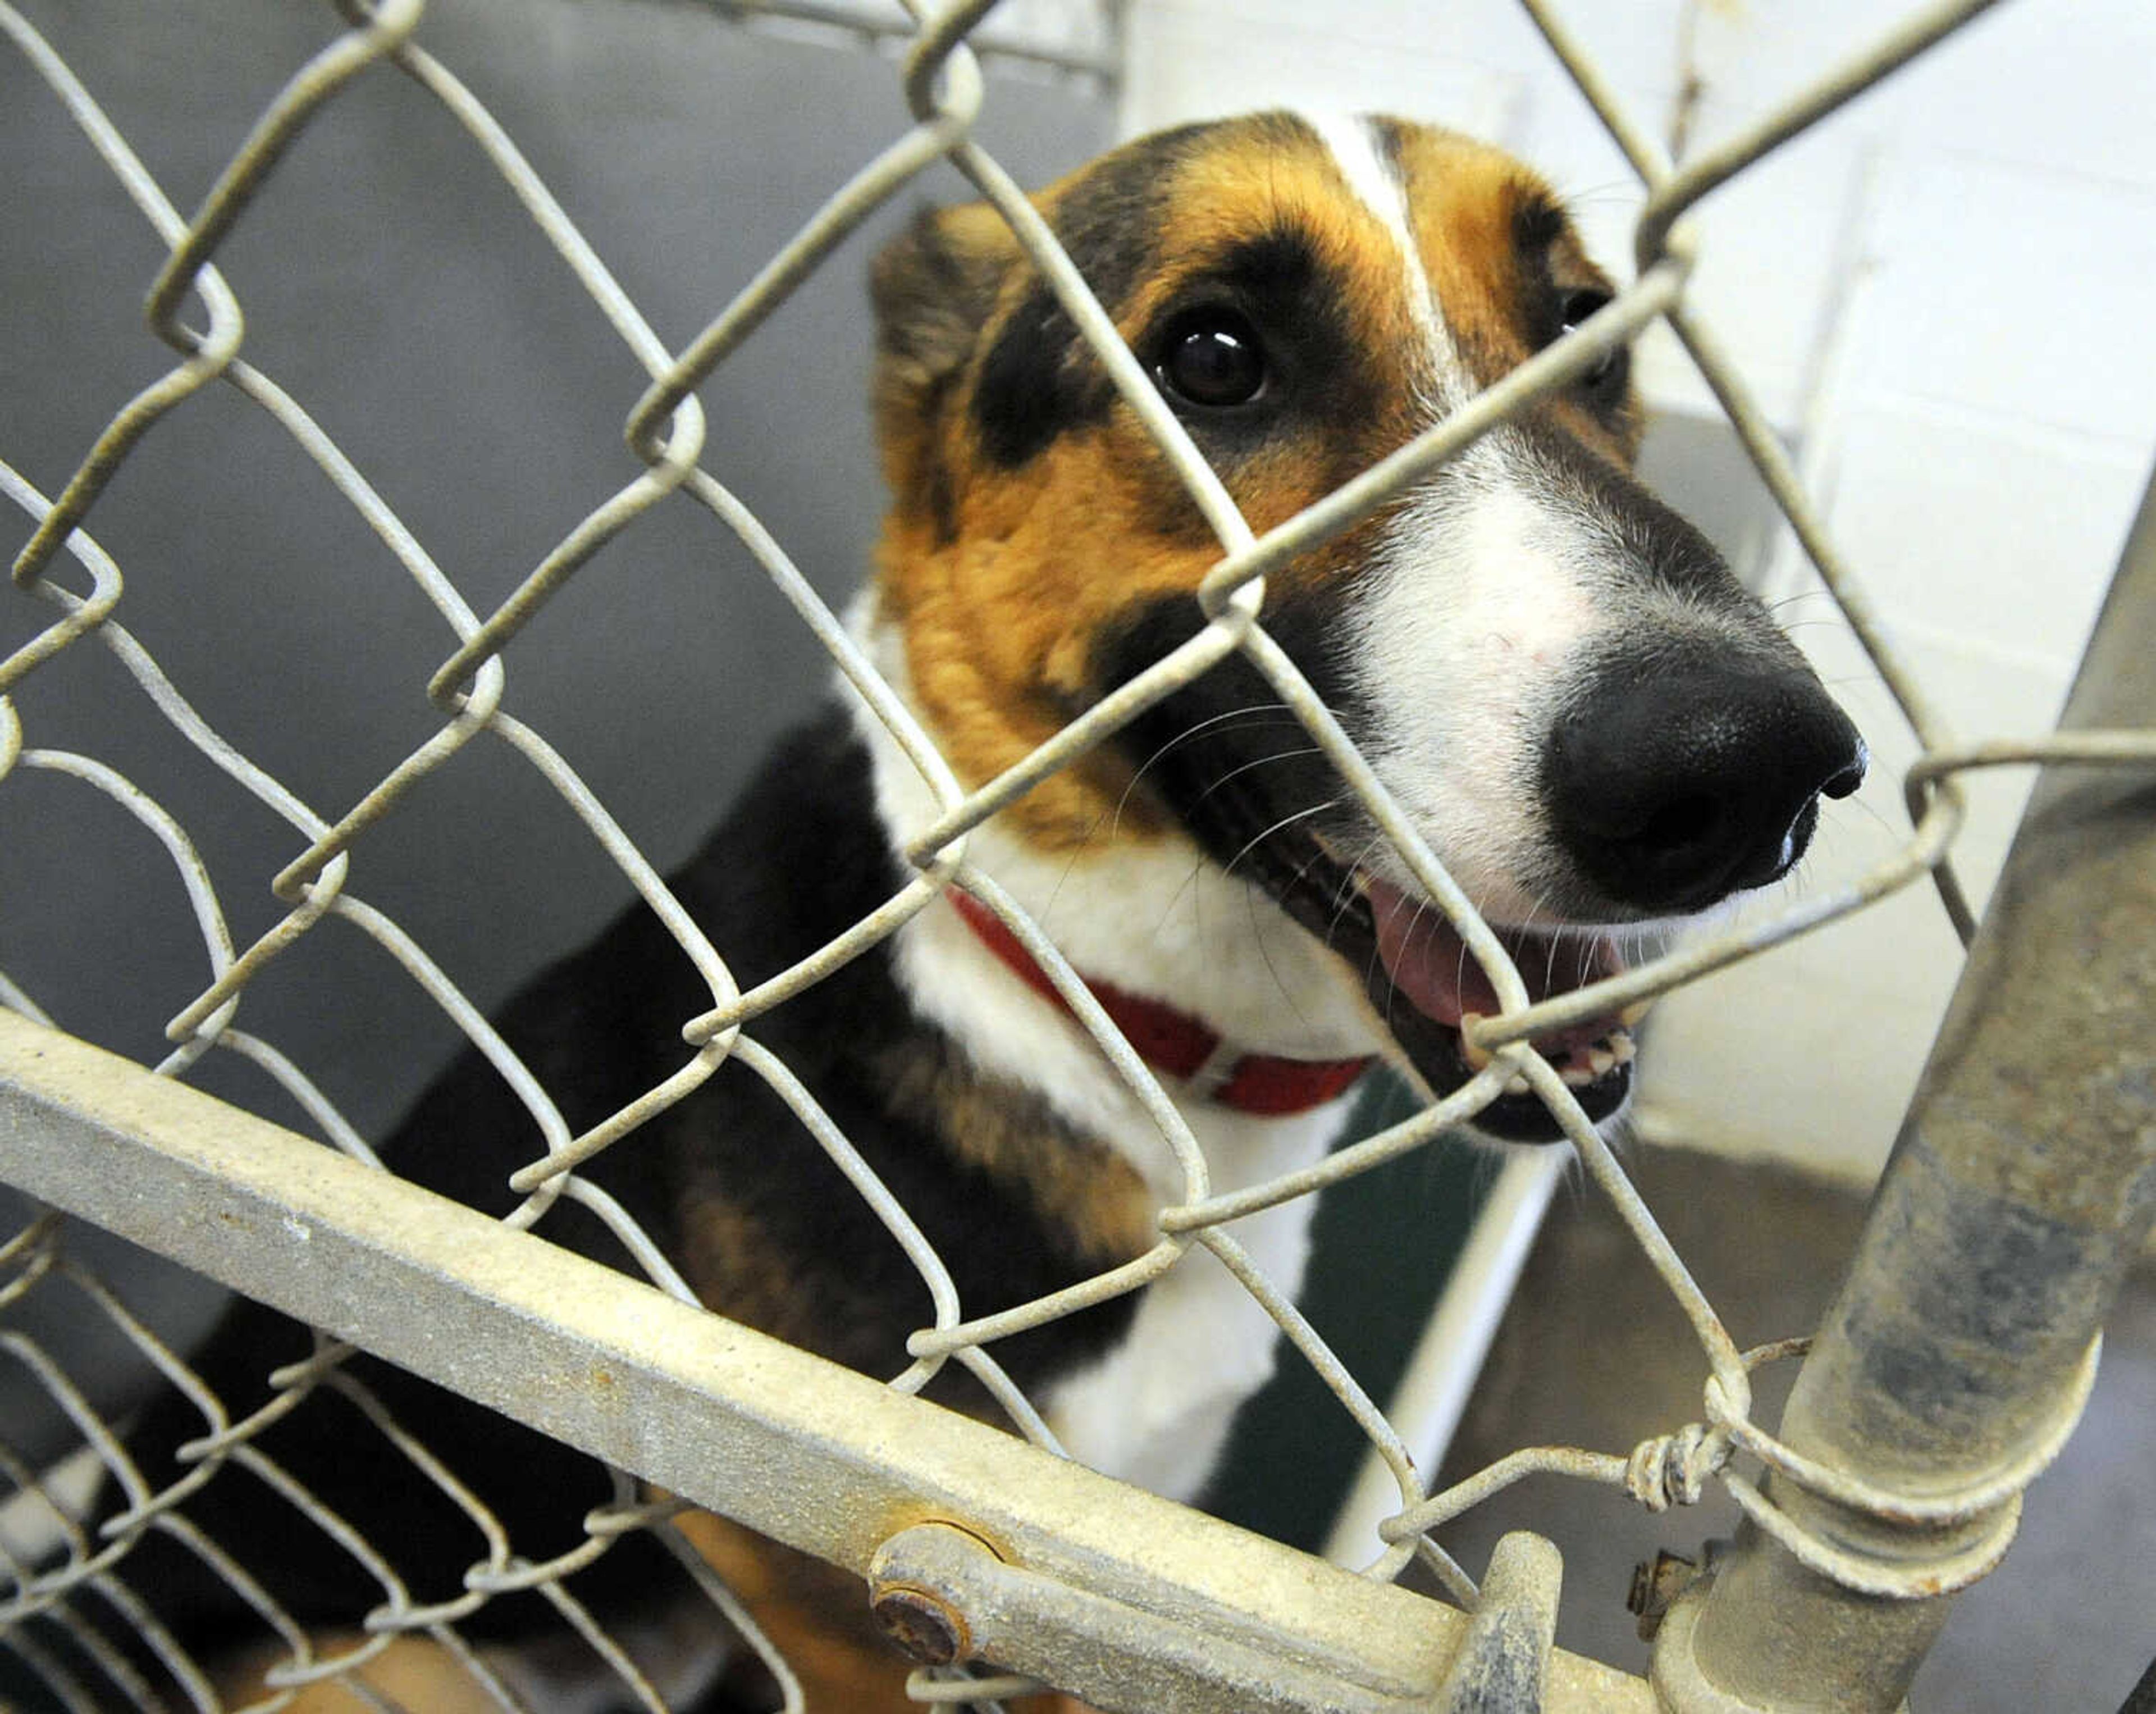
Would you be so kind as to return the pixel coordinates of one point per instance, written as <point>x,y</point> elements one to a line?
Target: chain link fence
<point>1094,1589</point>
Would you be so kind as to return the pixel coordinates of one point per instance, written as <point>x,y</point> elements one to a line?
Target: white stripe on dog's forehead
<point>1372,172</point>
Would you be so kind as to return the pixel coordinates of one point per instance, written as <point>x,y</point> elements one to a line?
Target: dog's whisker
<point>1816,592</point>
<point>1261,941</point>
<point>1619,192</point>
<point>1212,722</point>
<point>1254,764</point>
<point>1870,812</point>
<point>1195,730</point>
<point>1345,893</point>
<point>1286,821</point>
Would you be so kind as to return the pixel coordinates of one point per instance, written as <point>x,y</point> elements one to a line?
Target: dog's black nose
<point>1672,791</point>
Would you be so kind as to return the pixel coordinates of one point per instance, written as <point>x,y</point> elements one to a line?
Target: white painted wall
<point>1946,288</point>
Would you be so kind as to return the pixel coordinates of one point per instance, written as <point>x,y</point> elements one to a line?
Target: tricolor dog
<point>1596,730</point>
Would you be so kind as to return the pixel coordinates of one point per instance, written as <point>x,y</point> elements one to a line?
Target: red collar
<point>1174,1042</point>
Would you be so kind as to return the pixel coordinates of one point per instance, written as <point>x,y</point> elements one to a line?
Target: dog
<point>1596,729</point>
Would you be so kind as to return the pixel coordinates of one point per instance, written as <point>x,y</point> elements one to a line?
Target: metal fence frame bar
<point>2020,1190</point>
<point>815,1454</point>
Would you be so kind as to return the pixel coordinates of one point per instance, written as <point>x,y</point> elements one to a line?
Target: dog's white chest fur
<point>1156,1409</point>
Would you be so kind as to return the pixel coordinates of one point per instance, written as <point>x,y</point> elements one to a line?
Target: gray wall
<point>393,286</point>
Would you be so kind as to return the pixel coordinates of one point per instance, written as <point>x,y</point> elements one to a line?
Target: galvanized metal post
<point>2020,1190</point>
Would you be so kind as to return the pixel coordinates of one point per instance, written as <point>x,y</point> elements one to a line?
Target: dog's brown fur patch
<point>1003,580</point>
<point>1467,201</point>
<point>412,1672</point>
<point>1077,1185</point>
<point>1080,1184</point>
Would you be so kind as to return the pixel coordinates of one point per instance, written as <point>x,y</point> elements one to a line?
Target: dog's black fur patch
<point>1227,759</point>
<point>801,858</point>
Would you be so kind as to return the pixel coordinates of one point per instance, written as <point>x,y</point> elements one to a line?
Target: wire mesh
<point>62,1608</point>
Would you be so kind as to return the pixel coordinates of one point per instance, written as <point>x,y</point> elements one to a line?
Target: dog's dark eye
<point>1579,305</point>
<point>1575,307</point>
<point>1211,358</point>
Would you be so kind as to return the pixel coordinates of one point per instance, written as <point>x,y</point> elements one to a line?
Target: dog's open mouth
<point>1424,983</point>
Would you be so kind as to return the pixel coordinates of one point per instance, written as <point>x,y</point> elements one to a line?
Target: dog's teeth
<point>1601,1061</point>
<point>1622,1047</point>
<point>1476,1055</point>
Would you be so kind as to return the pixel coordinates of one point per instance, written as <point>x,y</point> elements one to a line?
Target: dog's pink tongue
<point>1431,968</point>
<point>1426,958</point>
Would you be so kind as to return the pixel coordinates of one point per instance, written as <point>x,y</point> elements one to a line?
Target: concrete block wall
<point>1940,296</point>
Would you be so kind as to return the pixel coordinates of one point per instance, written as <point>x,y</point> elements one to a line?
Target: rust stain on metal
<point>922,1624</point>
<point>1655,1587</point>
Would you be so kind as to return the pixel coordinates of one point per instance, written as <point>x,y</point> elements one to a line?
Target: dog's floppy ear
<point>934,288</point>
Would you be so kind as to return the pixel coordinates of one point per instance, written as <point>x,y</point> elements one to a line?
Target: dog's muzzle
<point>1670,791</point>
<point>1666,791</point>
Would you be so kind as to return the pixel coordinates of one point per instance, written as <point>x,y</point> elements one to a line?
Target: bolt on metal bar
<point>2022,1188</point>
<point>1205,1615</point>
<point>1500,1667</point>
